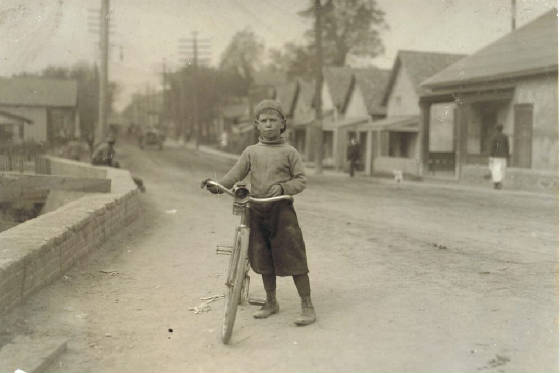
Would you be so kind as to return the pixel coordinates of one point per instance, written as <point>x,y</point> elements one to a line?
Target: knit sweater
<point>268,164</point>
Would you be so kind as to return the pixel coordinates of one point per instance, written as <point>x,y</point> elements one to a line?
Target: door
<point>522,135</point>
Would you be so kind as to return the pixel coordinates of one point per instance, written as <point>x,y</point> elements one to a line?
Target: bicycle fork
<point>238,260</point>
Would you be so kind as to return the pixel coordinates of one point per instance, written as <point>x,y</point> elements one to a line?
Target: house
<point>361,108</point>
<point>12,127</point>
<point>286,94</point>
<point>512,81</point>
<point>303,132</point>
<point>395,138</point>
<point>264,84</point>
<point>49,104</point>
<point>302,119</point>
<point>350,97</point>
<point>338,86</point>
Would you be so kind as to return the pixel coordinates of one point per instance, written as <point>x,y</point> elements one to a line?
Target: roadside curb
<point>31,354</point>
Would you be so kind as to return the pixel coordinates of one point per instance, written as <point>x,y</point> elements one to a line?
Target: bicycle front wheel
<point>237,271</point>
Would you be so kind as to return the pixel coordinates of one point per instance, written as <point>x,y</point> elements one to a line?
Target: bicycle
<point>237,274</point>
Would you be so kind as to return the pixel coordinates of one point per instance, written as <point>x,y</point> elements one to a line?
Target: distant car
<point>152,136</point>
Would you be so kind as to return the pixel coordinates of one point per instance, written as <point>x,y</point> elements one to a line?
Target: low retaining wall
<point>516,178</point>
<point>38,251</point>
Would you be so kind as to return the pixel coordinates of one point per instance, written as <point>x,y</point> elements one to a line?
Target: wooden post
<point>462,123</point>
<point>369,153</point>
<point>104,70</point>
<point>513,14</point>
<point>318,123</point>
<point>424,138</point>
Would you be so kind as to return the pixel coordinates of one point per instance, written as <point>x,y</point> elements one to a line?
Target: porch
<point>456,130</point>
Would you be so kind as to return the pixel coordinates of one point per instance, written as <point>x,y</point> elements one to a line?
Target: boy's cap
<point>269,104</point>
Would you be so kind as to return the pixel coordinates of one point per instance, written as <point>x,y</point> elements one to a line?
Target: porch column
<point>335,151</point>
<point>375,149</point>
<point>369,153</point>
<point>463,113</point>
<point>309,142</point>
<point>424,138</point>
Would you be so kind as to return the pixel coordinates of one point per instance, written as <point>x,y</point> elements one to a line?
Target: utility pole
<point>196,124</point>
<point>164,114</point>
<point>513,14</point>
<point>104,69</point>
<point>193,48</point>
<point>318,123</point>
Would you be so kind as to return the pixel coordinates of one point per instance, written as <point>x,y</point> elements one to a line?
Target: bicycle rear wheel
<point>237,273</point>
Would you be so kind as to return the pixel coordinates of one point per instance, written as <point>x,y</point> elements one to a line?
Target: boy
<point>276,246</point>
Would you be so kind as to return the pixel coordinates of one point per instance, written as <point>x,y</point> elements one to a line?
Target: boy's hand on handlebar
<point>211,188</point>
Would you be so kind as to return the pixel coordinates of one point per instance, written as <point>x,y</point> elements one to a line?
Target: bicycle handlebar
<point>251,199</point>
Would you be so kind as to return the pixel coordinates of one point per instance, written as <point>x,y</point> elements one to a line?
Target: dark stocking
<point>302,285</point>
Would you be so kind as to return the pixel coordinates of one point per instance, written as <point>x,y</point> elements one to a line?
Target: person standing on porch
<point>499,154</point>
<point>353,155</point>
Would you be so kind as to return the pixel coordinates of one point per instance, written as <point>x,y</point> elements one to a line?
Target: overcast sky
<point>38,33</point>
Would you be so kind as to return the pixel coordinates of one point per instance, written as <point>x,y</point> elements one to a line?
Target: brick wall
<point>40,250</point>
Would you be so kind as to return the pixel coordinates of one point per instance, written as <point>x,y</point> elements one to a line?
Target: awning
<point>309,118</point>
<point>353,121</point>
<point>10,118</point>
<point>242,127</point>
<point>400,123</point>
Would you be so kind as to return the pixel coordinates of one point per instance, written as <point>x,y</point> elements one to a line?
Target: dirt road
<point>404,278</point>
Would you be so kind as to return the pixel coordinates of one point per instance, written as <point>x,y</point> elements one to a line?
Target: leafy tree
<point>350,27</point>
<point>294,59</point>
<point>187,87</point>
<point>243,55</point>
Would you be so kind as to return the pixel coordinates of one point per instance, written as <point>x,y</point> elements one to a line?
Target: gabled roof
<point>306,92</point>
<point>372,83</point>
<point>420,66</point>
<point>286,95</point>
<point>338,81</point>
<point>531,49</point>
<point>38,92</point>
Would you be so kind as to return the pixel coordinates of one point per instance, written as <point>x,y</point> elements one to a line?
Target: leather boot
<point>307,315</point>
<point>269,308</point>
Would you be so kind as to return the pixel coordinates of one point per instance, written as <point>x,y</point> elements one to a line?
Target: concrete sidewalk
<point>443,184</point>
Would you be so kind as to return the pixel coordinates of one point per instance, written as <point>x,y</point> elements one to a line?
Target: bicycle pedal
<point>224,250</point>
<point>257,301</point>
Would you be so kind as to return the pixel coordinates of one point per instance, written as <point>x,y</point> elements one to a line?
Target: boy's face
<point>269,124</point>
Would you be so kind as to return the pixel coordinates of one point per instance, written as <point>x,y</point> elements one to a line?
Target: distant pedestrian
<point>353,154</point>
<point>499,154</point>
<point>105,155</point>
